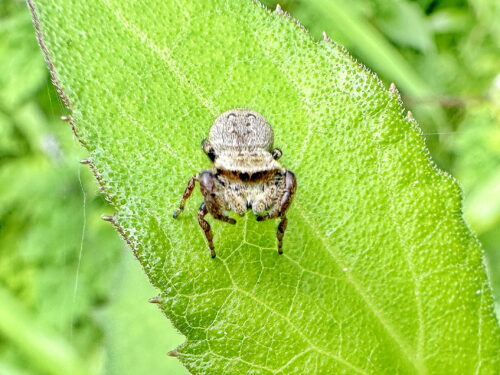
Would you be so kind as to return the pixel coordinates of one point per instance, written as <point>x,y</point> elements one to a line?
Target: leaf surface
<point>379,275</point>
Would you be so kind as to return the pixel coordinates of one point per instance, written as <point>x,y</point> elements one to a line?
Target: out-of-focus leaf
<point>488,12</point>
<point>24,69</point>
<point>48,352</point>
<point>8,369</point>
<point>477,146</point>
<point>405,24</point>
<point>477,142</point>
<point>9,145</point>
<point>137,335</point>
<point>45,224</point>
<point>450,21</point>
<point>482,210</point>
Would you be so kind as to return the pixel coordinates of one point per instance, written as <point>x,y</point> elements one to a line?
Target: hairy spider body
<point>245,174</point>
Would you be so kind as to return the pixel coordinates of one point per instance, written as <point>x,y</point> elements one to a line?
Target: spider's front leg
<point>186,195</point>
<point>209,186</point>
<point>282,206</point>
<point>202,212</point>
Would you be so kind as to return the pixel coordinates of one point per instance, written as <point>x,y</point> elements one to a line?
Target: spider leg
<point>225,219</point>
<point>280,211</point>
<point>212,204</point>
<point>284,200</point>
<point>202,212</point>
<point>209,186</point>
<point>186,195</point>
<point>281,232</point>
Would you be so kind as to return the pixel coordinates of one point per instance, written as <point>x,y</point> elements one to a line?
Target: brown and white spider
<point>245,174</point>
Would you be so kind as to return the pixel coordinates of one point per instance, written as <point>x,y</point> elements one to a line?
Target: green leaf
<point>51,354</point>
<point>405,23</point>
<point>477,146</point>
<point>56,255</point>
<point>18,57</point>
<point>350,23</point>
<point>136,333</point>
<point>379,275</point>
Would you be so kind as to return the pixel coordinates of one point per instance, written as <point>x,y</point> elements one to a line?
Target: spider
<point>245,174</point>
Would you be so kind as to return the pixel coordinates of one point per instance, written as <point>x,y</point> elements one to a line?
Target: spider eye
<point>205,145</point>
<point>277,153</point>
<point>251,116</point>
<point>207,149</point>
<point>211,155</point>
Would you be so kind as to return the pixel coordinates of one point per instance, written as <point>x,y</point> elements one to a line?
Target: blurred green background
<point>73,299</point>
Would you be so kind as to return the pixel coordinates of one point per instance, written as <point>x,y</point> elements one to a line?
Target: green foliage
<point>129,321</point>
<point>461,73</point>
<point>42,211</point>
<point>380,274</point>
<point>53,355</point>
<point>478,167</point>
<point>434,51</point>
<point>347,24</point>
<point>18,57</point>
<point>58,259</point>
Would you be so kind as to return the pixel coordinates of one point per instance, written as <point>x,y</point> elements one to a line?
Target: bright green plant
<point>136,338</point>
<point>57,257</point>
<point>48,229</point>
<point>380,274</point>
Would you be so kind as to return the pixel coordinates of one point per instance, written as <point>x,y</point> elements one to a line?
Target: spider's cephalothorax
<point>245,174</point>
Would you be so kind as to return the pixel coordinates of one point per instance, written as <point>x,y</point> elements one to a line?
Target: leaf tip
<point>409,116</point>
<point>66,118</point>
<point>85,161</point>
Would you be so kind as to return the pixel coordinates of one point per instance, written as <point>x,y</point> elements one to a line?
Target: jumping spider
<point>245,174</point>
